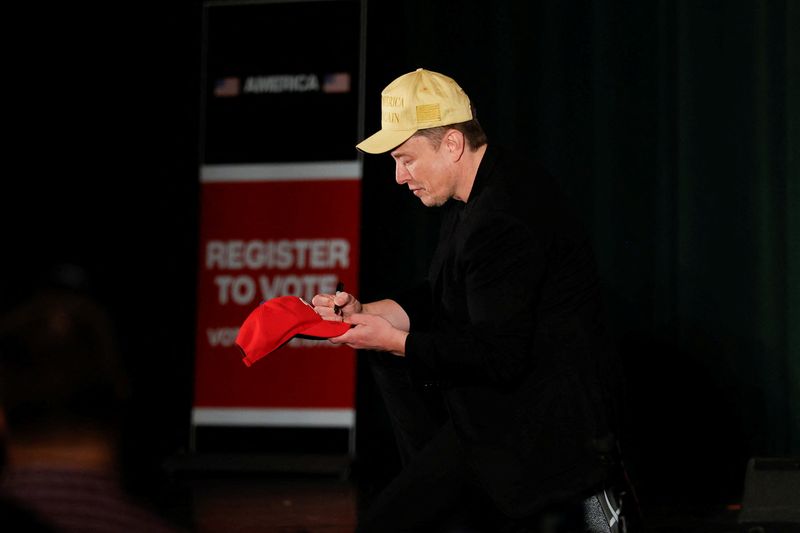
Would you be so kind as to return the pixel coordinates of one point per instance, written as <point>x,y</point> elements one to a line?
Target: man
<point>507,331</point>
<point>62,391</point>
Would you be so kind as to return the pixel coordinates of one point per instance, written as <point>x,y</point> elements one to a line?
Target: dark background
<point>673,125</point>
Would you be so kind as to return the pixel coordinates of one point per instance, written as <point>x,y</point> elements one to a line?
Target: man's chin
<point>432,202</point>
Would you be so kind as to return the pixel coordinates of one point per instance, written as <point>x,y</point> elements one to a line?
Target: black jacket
<point>509,325</point>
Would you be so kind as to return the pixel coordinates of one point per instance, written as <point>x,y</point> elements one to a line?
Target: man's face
<point>427,172</point>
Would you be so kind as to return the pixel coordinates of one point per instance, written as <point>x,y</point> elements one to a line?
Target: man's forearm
<point>389,310</point>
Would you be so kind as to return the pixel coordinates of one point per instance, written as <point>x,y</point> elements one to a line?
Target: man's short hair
<point>472,130</point>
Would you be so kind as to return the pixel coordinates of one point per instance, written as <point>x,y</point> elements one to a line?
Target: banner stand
<point>280,215</point>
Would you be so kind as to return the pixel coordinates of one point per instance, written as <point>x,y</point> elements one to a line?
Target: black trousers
<point>437,491</point>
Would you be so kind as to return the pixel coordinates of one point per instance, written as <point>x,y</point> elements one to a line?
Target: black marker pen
<point>339,288</point>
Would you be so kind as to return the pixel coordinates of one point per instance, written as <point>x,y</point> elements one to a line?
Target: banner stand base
<point>332,465</point>
<point>335,465</point>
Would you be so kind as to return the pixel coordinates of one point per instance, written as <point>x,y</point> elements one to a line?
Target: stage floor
<point>316,494</point>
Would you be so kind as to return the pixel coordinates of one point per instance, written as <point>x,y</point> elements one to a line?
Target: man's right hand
<point>348,305</point>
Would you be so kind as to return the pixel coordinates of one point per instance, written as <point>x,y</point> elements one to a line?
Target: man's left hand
<point>372,332</point>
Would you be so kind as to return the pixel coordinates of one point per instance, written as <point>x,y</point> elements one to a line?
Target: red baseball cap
<point>275,321</point>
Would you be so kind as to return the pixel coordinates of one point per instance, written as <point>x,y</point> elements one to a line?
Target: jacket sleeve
<point>502,267</point>
<point>416,302</point>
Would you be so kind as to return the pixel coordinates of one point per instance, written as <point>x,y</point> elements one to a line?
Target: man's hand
<point>323,305</point>
<point>372,332</point>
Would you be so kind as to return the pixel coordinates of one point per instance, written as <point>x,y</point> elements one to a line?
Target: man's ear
<point>454,141</point>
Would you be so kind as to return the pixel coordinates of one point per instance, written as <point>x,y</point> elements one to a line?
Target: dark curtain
<point>674,127</point>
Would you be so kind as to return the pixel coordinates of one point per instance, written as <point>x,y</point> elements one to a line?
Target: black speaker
<point>771,502</point>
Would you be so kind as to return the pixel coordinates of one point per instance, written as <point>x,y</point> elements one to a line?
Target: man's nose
<point>401,174</point>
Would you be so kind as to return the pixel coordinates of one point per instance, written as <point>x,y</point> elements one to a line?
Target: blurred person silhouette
<point>62,389</point>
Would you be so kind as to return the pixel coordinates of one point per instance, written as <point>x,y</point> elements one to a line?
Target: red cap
<point>276,321</point>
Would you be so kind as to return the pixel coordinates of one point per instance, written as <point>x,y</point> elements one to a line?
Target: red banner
<point>262,238</point>
<point>280,212</point>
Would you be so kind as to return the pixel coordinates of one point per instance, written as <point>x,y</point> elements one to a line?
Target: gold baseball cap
<point>416,101</point>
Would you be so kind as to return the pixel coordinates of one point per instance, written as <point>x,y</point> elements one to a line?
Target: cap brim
<point>325,329</point>
<point>384,140</point>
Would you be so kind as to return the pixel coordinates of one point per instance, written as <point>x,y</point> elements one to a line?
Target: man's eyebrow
<point>397,153</point>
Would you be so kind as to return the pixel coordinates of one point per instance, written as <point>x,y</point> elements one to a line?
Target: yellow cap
<point>416,101</point>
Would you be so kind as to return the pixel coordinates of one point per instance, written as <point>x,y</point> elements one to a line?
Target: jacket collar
<point>483,176</point>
